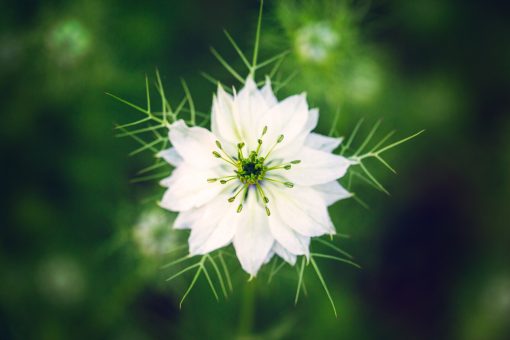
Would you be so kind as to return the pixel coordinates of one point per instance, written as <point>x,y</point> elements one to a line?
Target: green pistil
<point>251,170</point>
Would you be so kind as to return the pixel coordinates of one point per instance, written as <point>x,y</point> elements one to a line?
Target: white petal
<point>286,236</point>
<point>170,156</point>
<point>332,192</point>
<point>321,142</point>
<point>249,106</point>
<point>302,208</point>
<point>267,93</point>
<point>287,118</point>
<point>317,167</point>
<point>186,219</point>
<point>313,119</point>
<point>284,254</point>
<point>223,123</point>
<point>188,187</point>
<point>195,145</point>
<point>269,256</point>
<point>215,227</point>
<point>253,240</point>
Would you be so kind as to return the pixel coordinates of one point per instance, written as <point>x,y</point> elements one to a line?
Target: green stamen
<point>278,141</point>
<point>262,194</point>
<point>217,155</point>
<point>240,151</point>
<point>259,141</point>
<point>233,198</point>
<point>286,166</point>
<point>218,144</point>
<point>287,184</point>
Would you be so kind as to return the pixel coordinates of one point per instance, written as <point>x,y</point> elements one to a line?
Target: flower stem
<point>247,313</point>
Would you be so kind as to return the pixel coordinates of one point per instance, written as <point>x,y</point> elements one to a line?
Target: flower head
<point>260,179</point>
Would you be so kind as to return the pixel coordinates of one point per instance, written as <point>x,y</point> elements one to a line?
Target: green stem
<point>247,312</point>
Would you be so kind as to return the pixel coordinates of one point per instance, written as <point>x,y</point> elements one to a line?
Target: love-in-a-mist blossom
<point>260,179</point>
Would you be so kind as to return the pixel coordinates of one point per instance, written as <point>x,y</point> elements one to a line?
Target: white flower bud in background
<point>68,42</point>
<point>365,81</point>
<point>61,280</point>
<point>315,41</point>
<point>152,233</point>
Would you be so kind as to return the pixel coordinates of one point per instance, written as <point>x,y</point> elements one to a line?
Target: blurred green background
<point>77,263</point>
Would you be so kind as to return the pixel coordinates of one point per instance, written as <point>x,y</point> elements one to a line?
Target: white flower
<point>260,179</point>
<point>316,41</point>
<point>151,233</point>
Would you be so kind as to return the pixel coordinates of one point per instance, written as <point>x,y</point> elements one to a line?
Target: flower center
<point>251,171</point>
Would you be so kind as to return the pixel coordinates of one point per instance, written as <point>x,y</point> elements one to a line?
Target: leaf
<point>336,258</point>
<point>225,270</point>
<point>373,179</point>
<point>238,50</point>
<point>192,284</point>
<point>323,283</point>
<point>346,146</point>
<point>300,279</point>
<point>218,274</point>
<point>204,269</point>
<point>257,38</point>
<point>332,246</point>
<point>190,101</point>
<point>368,138</point>
<point>227,66</point>
<point>187,269</point>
